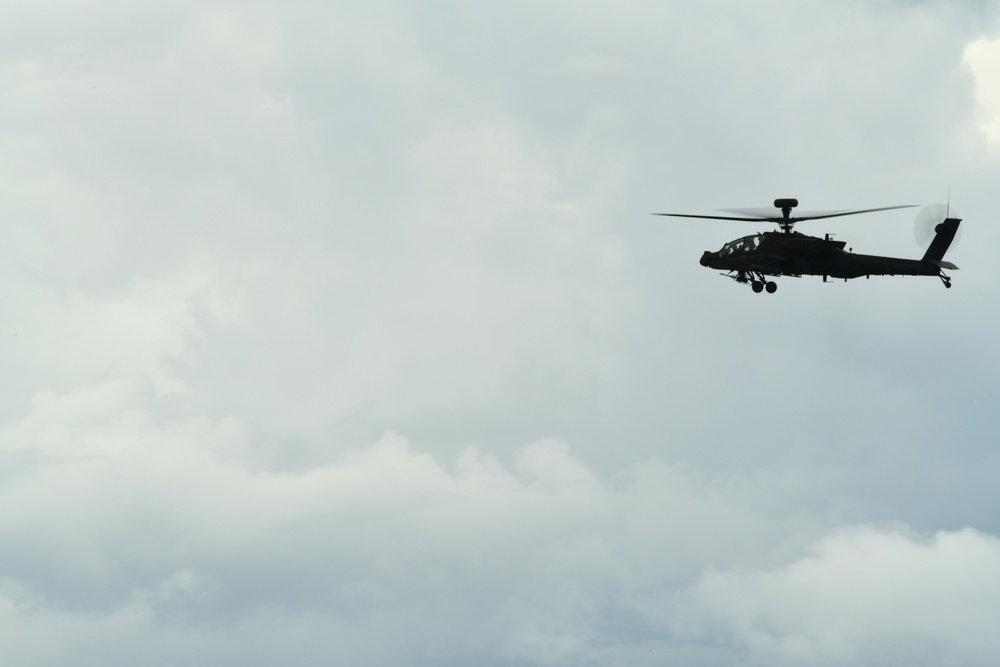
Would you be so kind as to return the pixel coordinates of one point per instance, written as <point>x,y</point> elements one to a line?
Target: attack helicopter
<point>751,259</point>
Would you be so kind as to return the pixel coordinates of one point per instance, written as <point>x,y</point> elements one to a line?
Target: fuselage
<point>795,254</point>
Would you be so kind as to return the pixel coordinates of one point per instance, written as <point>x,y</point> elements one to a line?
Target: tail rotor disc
<point>929,217</point>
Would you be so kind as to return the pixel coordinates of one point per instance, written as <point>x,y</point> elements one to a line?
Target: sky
<point>341,333</point>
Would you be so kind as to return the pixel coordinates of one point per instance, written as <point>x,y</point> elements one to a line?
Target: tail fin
<point>942,240</point>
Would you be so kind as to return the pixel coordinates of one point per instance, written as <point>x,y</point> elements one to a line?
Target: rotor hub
<point>786,206</point>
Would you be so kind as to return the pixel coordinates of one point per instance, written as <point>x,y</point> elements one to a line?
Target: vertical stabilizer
<point>945,234</point>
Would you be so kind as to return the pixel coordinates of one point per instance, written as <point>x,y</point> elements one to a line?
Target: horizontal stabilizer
<point>945,265</point>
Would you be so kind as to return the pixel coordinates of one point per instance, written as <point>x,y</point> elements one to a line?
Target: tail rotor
<point>927,220</point>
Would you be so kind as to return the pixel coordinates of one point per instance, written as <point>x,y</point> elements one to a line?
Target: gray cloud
<point>124,520</point>
<point>342,332</point>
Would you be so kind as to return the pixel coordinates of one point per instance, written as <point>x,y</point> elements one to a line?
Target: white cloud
<point>135,532</point>
<point>983,58</point>
<point>862,596</point>
<point>135,527</point>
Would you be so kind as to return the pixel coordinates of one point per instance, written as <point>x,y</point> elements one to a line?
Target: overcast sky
<point>340,333</point>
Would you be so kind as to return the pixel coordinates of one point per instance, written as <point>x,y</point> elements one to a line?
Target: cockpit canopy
<point>745,244</point>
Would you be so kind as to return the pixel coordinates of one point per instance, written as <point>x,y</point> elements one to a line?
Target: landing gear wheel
<point>757,287</point>
<point>772,287</point>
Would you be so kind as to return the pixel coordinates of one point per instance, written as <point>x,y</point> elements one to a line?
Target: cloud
<point>983,58</point>
<point>135,530</point>
<point>862,596</point>
<point>342,333</point>
<point>131,532</point>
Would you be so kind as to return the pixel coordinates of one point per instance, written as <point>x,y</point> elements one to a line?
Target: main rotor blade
<point>765,215</point>
<point>837,214</point>
<point>715,217</point>
<point>771,213</point>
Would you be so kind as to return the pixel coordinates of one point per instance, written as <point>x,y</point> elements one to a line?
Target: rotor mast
<point>786,206</point>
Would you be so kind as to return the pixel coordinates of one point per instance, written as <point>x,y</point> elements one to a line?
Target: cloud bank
<point>136,539</point>
<point>341,333</point>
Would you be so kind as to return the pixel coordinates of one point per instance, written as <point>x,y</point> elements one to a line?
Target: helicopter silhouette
<point>750,259</point>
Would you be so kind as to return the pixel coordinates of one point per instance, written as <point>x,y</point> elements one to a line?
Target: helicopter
<point>751,259</point>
